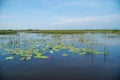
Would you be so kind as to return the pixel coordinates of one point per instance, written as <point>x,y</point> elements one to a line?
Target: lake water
<point>28,56</point>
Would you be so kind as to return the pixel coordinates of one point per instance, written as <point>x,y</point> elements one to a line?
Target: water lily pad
<point>64,54</point>
<point>42,57</point>
<point>22,58</point>
<point>48,45</point>
<point>81,53</point>
<point>9,58</point>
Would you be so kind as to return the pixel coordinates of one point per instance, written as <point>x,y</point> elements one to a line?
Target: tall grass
<point>8,31</point>
<point>72,31</point>
<point>60,31</point>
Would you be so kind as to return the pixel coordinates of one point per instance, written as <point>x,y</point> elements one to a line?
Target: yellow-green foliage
<point>9,58</point>
<point>64,54</point>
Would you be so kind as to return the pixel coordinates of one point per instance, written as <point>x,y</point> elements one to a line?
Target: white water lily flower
<point>51,52</point>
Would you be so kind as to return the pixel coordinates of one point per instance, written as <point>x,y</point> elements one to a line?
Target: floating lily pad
<point>9,58</point>
<point>64,54</point>
<point>42,57</point>
<point>22,58</point>
<point>81,53</point>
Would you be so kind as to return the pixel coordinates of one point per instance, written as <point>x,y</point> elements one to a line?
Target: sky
<point>59,14</point>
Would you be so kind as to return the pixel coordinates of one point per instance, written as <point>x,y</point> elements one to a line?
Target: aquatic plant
<point>64,54</point>
<point>9,58</point>
<point>26,49</point>
<point>58,47</point>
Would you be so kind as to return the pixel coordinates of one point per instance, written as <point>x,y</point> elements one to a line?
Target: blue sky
<point>59,14</point>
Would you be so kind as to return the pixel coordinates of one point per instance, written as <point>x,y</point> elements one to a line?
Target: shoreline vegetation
<point>8,31</point>
<point>59,31</point>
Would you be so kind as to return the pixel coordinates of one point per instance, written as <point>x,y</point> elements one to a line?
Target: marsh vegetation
<point>59,31</point>
<point>71,31</point>
<point>8,31</point>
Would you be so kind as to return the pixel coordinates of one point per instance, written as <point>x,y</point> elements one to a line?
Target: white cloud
<point>88,21</point>
<point>91,22</point>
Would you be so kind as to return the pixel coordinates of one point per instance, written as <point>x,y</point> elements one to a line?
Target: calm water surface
<point>27,56</point>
